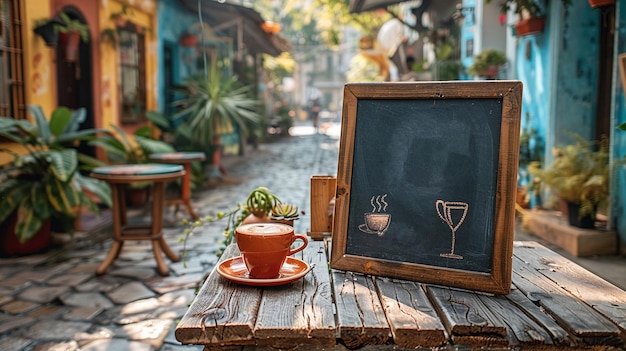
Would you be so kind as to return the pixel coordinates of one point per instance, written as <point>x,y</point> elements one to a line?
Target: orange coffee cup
<point>265,246</point>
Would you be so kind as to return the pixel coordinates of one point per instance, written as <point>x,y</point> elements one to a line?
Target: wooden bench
<point>554,305</point>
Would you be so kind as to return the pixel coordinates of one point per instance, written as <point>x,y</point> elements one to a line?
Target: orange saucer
<point>234,269</point>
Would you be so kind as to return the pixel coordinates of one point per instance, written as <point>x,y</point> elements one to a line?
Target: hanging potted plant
<point>48,30</point>
<point>70,35</point>
<point>531,19</point>
<point>188,40</point>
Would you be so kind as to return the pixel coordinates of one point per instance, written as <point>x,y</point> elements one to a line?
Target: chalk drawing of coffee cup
<point>376,222</point>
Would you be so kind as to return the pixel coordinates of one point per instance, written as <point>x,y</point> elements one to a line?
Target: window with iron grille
<point>12,100</point>
<point>132,74</point>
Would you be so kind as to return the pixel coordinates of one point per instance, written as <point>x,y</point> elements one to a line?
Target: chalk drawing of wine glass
<point>376,222</point>
<point>452,212</point>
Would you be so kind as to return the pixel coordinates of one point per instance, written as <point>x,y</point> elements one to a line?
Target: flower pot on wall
<point>188,40</point>
<point>48,32</point>
<point>69,42</point>
<point>601,3</point>
<point>528,26</point>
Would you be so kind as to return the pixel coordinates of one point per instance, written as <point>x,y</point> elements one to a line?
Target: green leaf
<point>622,126</point>
<point>12,191</point>
<point>62,196</point>
<point>97,187</point>
<point>43,128</point>
<point>59,120</point>
<point>27,222</point>
<point>63,164</point>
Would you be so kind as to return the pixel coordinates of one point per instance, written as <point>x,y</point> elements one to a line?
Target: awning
<point>367,5</point>
<point>242,20</point>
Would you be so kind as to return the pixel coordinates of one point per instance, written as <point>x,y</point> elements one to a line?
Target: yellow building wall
<point>39,71</point>
<point>143,15</point>
<point>40,60</point>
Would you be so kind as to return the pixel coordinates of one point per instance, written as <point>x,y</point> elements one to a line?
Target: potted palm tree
<point>44,182</point>
<point>215,105</point>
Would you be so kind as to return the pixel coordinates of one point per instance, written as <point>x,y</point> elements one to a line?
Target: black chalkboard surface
<point>426,182</point>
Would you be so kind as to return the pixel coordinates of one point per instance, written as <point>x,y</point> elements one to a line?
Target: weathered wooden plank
<point>603,296</point>
<point>360,316</point>
<point>412,318</point>
<point>560,337</point>
<point>576,317</point>
<point>466,318</point>
<point>300,312</point>
<point>222,313</point>
<point>522,330</point>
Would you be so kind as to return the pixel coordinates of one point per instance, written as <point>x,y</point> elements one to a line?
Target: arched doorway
<point>74,78</point>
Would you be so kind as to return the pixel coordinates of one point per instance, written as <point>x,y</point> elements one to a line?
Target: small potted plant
<point>487,63</point>
<point>578,175</point>
<point>260,203</point>
<point>260,200</point>
<point>285,213</point>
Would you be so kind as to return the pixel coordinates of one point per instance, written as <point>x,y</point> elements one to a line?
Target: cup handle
<point>305,242</point>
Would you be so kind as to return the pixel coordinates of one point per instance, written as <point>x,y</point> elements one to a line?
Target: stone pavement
<point>54,301</point>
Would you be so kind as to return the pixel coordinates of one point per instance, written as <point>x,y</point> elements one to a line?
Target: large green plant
<point>212,105</point>
<point>45,182</point>
<point>579,174</point>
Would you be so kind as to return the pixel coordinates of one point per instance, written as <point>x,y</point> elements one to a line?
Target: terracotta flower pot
<point>189,40</point>
<point>11,246</point>
<point>69,42</point>
<point>601,3</point>
<point>528,26</point>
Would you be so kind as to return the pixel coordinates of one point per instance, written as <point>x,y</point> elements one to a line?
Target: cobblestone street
<point>54,301</point>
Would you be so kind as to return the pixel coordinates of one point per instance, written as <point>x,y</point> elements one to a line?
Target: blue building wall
<point>173,21</point>
<point>577,53</point>
<point>619,137</point>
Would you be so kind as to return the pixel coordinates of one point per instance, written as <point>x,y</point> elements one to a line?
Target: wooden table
<point>554,305</point>
<point>120,176</point>
<point>185,159</point>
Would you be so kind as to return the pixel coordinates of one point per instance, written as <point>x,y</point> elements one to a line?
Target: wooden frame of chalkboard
<point>426,182</point>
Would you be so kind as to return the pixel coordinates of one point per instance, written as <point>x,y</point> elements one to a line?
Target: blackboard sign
<point>426,182</point>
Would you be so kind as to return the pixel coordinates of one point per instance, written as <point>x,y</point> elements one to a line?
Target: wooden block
<point>576,241</point>
<point>322,192</point>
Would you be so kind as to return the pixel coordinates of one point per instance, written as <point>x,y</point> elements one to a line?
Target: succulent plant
<point>261,201</point>
<point>285,211</point>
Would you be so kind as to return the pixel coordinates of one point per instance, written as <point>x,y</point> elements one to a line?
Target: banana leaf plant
<point>44,181</point>
<point>124,149</point>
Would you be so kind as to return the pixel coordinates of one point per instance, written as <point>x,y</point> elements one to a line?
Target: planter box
<point>554,228</point>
